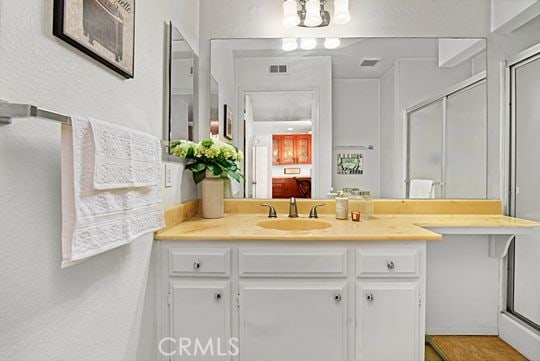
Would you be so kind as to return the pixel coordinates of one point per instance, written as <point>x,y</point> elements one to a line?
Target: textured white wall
<point>91,311</point>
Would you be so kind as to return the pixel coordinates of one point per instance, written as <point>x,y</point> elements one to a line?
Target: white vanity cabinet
<point>200,310</point>
<point>292,321</point>
<point>286,300</point>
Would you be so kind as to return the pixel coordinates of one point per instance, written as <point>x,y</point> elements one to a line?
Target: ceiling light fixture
<point>308,43</point>
<point>341,12</point>
<point>312,13</point>
<point>332,43</point>
<point>291,18</point>
<point>289,44</point>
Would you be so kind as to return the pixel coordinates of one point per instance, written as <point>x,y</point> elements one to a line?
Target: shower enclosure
<point>447,141</point>
<point>523,298</point>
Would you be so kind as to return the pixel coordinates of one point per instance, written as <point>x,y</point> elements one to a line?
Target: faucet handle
<point>313,212</point>
<point>271,210</point>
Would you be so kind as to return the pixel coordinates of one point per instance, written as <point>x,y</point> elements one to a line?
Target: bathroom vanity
<point>351,291</point>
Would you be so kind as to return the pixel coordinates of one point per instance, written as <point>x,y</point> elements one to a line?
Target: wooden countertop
<point>387,227</point>
<point>384,226</point>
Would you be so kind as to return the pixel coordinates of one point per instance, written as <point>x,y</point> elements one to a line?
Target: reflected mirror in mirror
<point>398,117</point>
<point>180,123</point>
<point>214,108</point>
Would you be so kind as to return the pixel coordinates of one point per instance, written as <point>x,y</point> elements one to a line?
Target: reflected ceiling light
<point>308,43</point>
<point>290,129</point>
<point>341,12</point>
<point>312,13</point>
<point>289,44</point>
<point>332,43</point>
<point>291,18</point>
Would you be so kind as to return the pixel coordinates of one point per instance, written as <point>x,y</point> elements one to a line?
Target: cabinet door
<point>200,310</point>
<point>303,149</point>
<point>293,321</point>
<point>387,321</point>
<point>276,144</point>
<point>287,154</point>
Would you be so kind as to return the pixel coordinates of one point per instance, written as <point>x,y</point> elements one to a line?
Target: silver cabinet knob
<point>391,265</point>
<point>218,295</point>
<point>370,297</point>
<point>197,264</point>
<point>337,297</point>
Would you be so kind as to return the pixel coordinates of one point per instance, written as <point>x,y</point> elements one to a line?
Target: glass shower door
<point>425,144</point>
<point>524,277</point>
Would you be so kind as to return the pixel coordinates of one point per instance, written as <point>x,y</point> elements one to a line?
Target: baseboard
<point>519,336</point>
<point>483,331</point>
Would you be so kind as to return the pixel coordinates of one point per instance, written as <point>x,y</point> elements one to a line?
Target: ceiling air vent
<point>370,61</point>
<point>278,69</point>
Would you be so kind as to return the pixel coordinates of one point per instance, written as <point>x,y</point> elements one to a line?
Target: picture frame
<point>102,29</point>
<point>291,171</point>
<point>228,122</point>
<point>350,164</point>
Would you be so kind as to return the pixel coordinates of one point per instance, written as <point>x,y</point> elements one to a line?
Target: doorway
<point>280,143</point>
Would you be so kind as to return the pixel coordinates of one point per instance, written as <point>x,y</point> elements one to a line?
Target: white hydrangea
<point>183,148</point>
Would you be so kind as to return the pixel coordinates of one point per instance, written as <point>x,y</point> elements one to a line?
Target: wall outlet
<point>168,176</point>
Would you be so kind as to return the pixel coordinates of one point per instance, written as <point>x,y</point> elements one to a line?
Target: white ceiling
<point>347,58</point>
<point>291,106</point>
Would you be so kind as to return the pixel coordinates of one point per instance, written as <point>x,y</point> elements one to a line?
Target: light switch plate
<point>168,176</point>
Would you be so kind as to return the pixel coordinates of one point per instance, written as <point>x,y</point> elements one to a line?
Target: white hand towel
<point>421,188</point>
<point>124,157</point>
<point>93,220</point>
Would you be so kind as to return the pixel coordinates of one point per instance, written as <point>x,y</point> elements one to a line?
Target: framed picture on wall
<point>228,122</point>
<point>102,29</point>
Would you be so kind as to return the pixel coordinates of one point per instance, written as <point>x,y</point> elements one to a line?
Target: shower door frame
<point>524,58</point>
<point>463,86</point>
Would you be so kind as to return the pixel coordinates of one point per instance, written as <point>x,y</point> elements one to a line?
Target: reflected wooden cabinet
<point>291,149</point>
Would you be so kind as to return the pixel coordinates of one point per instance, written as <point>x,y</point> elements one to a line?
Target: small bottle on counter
<point>368,205</point>
<point>342,207</point>
<point>332,194</point>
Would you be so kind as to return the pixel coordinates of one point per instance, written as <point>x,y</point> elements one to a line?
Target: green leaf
<point>196,167</point>
<point>199,176</point>
<point>234,175</point>
<point>215,169</point>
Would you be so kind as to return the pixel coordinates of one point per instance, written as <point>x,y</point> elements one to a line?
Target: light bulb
<point>289,44</point>
<point>313,13</point>
<point>332,43</point>
<point>341,12</point>
<point>290,14</point>
<point>308,43</point>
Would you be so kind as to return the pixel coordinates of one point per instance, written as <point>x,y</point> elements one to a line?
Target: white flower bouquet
<point>215,156</point>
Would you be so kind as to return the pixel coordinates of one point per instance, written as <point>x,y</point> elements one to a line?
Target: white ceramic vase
<point>212,196</point>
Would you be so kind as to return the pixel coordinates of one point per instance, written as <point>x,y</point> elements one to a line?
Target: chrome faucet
<point>293,209</point>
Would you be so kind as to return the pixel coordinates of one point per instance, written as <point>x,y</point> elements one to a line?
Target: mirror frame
<point>167,94</point>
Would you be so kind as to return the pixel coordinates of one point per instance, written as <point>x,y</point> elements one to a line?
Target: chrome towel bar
<point>10,111</point>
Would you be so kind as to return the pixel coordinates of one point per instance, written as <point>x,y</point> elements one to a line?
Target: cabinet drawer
<point>197,261</point>
<point>293,262</point>
<point>387,263</point>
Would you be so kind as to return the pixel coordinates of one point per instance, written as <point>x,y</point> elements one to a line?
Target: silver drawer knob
<point>197,264</point>
<point>218,295</point>
<point>337,297</point>
<point>391,265</point>
<point>370,297</point>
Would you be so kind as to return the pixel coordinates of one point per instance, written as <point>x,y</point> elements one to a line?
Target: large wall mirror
<point>398,117</point>
<point>181,81</point>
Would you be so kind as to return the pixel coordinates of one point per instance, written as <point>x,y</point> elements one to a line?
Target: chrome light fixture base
<point>325,15</point>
